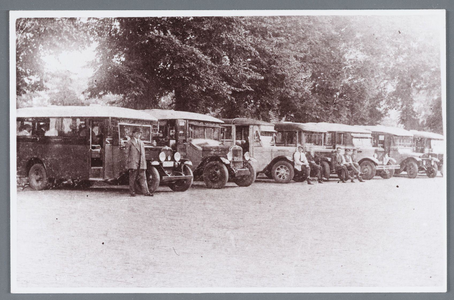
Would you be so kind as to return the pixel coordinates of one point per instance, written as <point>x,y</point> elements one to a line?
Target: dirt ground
<point>381,233</point>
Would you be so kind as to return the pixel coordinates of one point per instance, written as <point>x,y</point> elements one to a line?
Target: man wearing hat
<point>137,163</point>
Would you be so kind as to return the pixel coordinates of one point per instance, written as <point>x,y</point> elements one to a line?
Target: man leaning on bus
<point>137,163</point>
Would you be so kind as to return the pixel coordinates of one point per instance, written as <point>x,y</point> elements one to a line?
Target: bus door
<point>97,149</point>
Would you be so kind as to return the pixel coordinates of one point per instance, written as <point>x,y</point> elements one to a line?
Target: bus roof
<point>427,134</point>
<point>246,121</point>
<point>339,127</point>
<point>169,114</point>
<point>299,126</point>
<point>387,129</point>
<point>94,111</point>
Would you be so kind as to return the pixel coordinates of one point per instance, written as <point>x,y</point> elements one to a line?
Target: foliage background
<point>346,69</point>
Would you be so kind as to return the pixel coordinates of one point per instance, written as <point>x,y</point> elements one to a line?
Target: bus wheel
<point>412,169</point>
<point>153,179</point>
<point>246,180</point>
<point>325,169</point>
<point>183,184</point>
<point>368,169</point>
<point>215,175</point>
<point>431,172</point>
<point>283,172</point>
<point>37,177</point>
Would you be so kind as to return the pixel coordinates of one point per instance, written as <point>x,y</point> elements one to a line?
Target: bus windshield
<point>205,132</point>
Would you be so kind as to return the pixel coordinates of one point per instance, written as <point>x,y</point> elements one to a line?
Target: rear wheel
<point>215,175</point>
<point>183,184</point>
<point>282,172</point>
<point>246,180</point>
<point>368,169</point>
<point>37,177</point>
<point>412,169</point>
<point>431,172</point>
<point>153,179</point>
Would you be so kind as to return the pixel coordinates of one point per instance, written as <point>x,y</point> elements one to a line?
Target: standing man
<point>341,166</point>
<point>137,163</point>
<point>301,161</point>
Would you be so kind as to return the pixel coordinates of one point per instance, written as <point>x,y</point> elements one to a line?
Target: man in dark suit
<point>137,163</point>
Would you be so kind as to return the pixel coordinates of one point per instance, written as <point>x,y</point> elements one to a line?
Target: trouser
<point>342,172</point>
<point>316,170</point>
<point>138,175</point>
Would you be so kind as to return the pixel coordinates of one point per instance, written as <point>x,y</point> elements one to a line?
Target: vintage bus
<point>430,144</point>
<point>398,144</point>
<point>372,160</point>
<point>199,138</point>
<point>86,144</point>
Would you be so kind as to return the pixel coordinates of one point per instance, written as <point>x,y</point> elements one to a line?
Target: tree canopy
<point>347,69</point>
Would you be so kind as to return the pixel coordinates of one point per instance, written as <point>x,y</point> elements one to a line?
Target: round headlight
<point>177,156</point>
<point>230,155</point>
<point>247,156</point>
<point>162,156</point>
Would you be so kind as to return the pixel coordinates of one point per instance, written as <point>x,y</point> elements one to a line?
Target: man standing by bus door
<point>137,163</point>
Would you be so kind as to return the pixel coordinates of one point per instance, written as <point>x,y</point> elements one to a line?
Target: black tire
<point>387,174</point>
<point>282,171</point>
<point>326,171</point>
<point>183,184</point>
<point>412,169</point>
<point>37,177</point>
<point>368,169</point>
<point>246,180</point>
<point>431,172</point>
<point>215,175</point>
<point>153,179</point>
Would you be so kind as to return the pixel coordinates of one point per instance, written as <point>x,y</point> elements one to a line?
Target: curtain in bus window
<point>329,139</point>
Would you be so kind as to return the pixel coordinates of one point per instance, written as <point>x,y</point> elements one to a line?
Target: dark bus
<point>86,144</point>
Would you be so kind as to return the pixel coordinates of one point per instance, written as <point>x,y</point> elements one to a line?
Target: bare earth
<point>381,233</point>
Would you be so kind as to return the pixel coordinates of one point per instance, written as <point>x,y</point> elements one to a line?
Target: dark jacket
<point>136,155</point>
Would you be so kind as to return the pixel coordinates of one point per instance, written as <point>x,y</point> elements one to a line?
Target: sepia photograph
<point>258,151</point>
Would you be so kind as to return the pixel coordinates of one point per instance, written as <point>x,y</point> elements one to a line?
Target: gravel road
<point>381,233</point>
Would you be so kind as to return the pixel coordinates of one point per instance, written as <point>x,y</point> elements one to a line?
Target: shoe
<point>360,180</point>
<point>320,181</point>
<point>324,179</point>
<point>309,182</point>
<point>149,195</point>
<point>352,181</point>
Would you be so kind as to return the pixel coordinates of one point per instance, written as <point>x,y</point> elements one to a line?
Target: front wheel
<point>368,169</point>
<point>283,172</point>
<point>37,177</point>
<point>431,172</point>
<point>215,175</point>
<point>182,184</point>
<point>246,180</point>
<point>412,169</point>
<point>153,179</point>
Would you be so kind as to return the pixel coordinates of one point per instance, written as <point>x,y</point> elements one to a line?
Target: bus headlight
<point>177,156</point>
<point>230,156</point>
<point>162,156</point>
<point>247,156</point>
